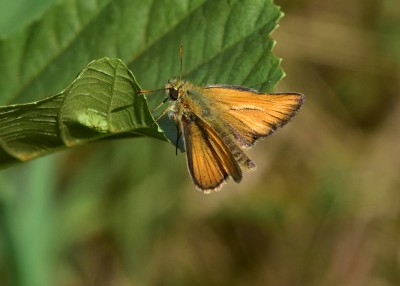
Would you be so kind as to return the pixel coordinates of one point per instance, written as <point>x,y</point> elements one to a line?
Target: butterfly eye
<point>173,93</point>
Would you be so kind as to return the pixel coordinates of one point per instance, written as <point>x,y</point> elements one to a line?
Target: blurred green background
<point>323,207</point>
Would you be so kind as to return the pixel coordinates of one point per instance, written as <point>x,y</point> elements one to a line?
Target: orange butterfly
<point>219,121</point>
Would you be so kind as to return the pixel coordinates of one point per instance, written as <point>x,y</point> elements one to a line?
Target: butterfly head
<point>175,88</point>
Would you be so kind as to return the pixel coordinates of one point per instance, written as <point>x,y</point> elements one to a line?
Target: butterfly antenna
<point>180,56</point>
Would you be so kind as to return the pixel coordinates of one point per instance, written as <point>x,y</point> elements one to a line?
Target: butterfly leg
<point>178,136</point>
<point>162,113</point>
<point>161,104</point>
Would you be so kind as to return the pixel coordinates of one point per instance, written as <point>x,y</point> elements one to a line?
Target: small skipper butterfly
<point>219,121</point>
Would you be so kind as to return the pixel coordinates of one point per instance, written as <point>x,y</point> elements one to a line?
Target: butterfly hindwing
<point>210,161</point>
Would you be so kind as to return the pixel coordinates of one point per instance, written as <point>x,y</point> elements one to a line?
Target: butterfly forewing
<point>210,161</point>
<point>251,115</point>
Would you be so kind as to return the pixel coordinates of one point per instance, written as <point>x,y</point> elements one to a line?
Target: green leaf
<point>234,49</point>
<point>102,103</point>
<point>224,42</point>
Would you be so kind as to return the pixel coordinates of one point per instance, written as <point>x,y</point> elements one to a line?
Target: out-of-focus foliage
<point>17,14</point>
<point>322,208</point>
